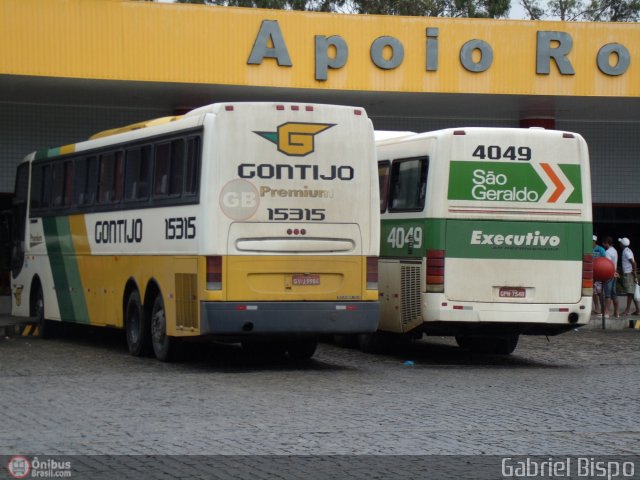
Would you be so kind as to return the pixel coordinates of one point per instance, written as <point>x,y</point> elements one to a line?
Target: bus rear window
<point>408,185</point>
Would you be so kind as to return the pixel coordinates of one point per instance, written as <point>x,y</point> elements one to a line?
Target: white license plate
<point>512,292</point>
<point>306,279</point>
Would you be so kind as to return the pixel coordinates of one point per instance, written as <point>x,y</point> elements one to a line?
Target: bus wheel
<point>163,344</point>
<point>136,326</point>
<point>506,345</point>
<point>346,341</point>
<point>302,349</point>
<point>371,342</point>
<point>45,329</point>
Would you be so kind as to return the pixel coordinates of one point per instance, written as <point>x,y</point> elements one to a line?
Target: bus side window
<point>192,166</point>
<point>85,181</point>
<point>62,176</point>
<point>137,170</point>
<point>41,186</point>
<point>118,180</point>
<point>169,169</point>
<point>67,191</point>
<point>383,184</point>
<point>177,167</point>
<point>408,184</point>
<point>36,186</point>
<point>110,183</point>
<point>161,169</point>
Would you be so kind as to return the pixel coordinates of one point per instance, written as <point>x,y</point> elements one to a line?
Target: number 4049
<point>495,152</point>
<point>399,237</point>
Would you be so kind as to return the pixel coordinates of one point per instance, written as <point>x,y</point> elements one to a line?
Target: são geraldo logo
<point>296,139</point>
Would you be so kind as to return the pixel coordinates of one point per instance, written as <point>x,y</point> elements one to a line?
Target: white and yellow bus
<point>244,221</point>
<point>486,234</point>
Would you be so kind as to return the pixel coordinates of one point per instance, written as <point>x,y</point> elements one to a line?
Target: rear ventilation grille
<point>410,288</point>
<point>186,301</point>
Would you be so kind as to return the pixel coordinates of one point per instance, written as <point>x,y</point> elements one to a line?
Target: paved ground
<point>82,394</point>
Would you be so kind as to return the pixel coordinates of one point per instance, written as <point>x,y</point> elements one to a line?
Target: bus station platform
<point>611,323</point>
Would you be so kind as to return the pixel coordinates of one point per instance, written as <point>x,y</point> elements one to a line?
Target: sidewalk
<point>620,323</point>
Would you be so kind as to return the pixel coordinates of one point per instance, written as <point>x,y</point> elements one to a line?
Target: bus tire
<point>163,345</point>
<point>507,344</point>
<point>45,327</point>
<point>136,326</point>
<point>346,341</point>
<point>371,342</point>
<point>302,349</point>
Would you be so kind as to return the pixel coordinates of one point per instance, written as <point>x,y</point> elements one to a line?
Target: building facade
<point>69,68</point>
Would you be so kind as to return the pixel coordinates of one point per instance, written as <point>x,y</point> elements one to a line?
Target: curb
<point>621,323</point>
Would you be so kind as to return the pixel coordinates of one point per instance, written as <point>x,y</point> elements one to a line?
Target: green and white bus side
<point>486,234</point>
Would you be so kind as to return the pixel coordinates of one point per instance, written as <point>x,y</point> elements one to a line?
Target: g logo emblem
<point>296,139</point>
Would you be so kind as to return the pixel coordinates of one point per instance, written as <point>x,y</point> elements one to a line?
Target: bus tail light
<point>587,275</point>
<point>214,273</point>
<point>372,273</point>
<point>435,271</point>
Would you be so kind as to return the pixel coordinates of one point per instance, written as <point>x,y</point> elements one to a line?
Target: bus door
<point>19,219</point>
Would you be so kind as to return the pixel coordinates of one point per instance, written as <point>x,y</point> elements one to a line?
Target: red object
<point>603,269</point>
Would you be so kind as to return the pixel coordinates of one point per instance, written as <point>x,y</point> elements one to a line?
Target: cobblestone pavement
<point>82,394</point>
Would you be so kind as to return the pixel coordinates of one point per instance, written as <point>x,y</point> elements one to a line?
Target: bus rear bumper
<point>443,316</point>
<point>251,318</point>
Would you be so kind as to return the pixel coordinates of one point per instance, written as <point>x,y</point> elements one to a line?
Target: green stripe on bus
<point>64,267</point>
<point>515,240</point>
<point>411,238</point>
<point>45,153</point>
<point>41,154</point>
<point>572,172</point>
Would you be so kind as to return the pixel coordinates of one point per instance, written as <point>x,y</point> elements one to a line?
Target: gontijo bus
<point>486,234</point>
<point>236,220</point>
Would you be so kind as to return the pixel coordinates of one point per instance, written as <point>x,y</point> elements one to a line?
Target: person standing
<point>598,251</point>
<point>629,275</point>
<point>610,285</point>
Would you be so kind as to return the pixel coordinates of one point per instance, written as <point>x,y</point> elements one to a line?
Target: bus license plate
<point>513,292</point>
<point>306,280</point>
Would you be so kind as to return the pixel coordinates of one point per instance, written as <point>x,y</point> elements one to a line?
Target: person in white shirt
<point>629,276</point>
<point>610,285</point>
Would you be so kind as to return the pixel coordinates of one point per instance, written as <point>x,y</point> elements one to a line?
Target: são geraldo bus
<point>236,220</point>
<point>486,234</point>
